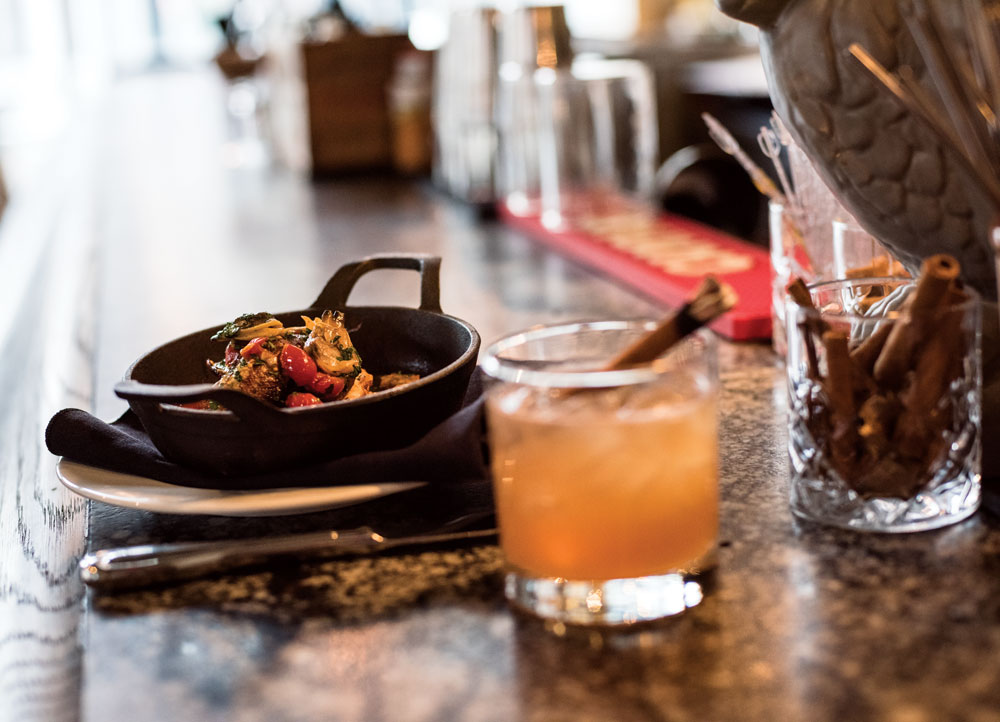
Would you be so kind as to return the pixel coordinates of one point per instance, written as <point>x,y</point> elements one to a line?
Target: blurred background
<point>442,90</point>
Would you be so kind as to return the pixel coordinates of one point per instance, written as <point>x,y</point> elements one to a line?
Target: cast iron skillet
<point>254,436</point>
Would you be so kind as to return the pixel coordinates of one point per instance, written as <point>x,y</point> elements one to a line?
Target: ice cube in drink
<point>588,489</point>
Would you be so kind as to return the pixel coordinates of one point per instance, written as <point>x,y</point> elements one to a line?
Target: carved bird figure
<point>901,182</point>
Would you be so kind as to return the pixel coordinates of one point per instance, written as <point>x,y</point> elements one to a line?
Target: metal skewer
<point>731,146</point>
<point>770,146</point>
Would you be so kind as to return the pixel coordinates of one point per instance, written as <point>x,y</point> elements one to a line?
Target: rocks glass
<point>606,482</point>
<point>841,249</point>
<point>573,139</point>
<point>884,407</point>
<point>789,259</point>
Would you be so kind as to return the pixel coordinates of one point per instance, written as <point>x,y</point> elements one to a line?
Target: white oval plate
<point>137,492</point>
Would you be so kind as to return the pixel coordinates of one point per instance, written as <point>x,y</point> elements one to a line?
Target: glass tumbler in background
<point>606,482</point>
<point>884,435</point>
<point>789,259</point>
<point>817,253</point>
<point>857,254</point>
<point>598,139</point>
<point>575,140</point>
<point>517,117</point>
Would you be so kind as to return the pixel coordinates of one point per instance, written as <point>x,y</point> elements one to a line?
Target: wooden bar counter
<point>152,236</point>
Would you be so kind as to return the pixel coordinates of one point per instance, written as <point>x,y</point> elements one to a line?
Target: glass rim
<point>512,371</point>
<point>965,306</point>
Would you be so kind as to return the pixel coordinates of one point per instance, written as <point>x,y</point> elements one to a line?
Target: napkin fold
<point>453,451</point>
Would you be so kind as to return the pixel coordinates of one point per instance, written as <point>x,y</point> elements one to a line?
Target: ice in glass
<point>607,494</point>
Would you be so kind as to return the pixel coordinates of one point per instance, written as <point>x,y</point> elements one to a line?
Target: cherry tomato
<point>297,365</point>
<point>231,354</point>
<point>253,348</point>
<point>300,398</point>
<point>326,386</point>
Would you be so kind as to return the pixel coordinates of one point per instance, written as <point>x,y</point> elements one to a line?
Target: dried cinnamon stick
<point>867,352</point>
<point>931,377</point>
<point>798,292</point>
<point>877,414</point>
<point>932,291</point>
<point>880,267</point>
<point>839,388</point>
<point>839,381</point>
<point>918,423</point>
<point>882,411</point>
<point>711,299</point>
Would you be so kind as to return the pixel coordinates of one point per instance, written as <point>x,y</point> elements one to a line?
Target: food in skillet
<point>294,366</point>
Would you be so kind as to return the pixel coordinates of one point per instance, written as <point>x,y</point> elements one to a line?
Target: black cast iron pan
<point>253,436</point>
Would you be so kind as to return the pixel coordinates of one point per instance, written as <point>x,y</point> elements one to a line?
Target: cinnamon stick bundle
<point>886,413</point>
<point>800,294</point>
<point>937,275</point>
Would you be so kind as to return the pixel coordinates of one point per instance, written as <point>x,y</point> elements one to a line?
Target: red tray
<point>665,256</point>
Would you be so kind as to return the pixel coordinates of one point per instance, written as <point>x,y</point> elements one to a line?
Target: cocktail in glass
<point>605,481</point>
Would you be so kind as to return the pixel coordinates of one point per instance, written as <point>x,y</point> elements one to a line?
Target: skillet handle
<point>334,295</point>
<point>244,406</point>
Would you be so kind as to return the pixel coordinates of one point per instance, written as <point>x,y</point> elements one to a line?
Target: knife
<point>139,566</point>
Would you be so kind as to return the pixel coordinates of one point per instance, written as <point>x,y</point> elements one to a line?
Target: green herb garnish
<point>245,321</point>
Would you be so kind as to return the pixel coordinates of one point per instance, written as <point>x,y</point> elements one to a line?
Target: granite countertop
<point>800,623</point>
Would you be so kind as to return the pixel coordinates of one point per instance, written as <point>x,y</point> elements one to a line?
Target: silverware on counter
<point>139,566</point>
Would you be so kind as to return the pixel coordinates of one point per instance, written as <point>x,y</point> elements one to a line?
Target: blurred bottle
<point>462,107</point>
<point>533,47</point>
<point>410,113</point>
<point>576,134</point>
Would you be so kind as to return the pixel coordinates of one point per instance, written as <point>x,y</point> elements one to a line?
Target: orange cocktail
<point>596,496</point>
<point>602,476</point>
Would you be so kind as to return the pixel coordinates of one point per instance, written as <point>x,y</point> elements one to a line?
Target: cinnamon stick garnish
<point>799,293</point>
<point>931,377</point>
<point>880,267</point>
<point>936,277</point>
<point>867,352</point>
<point>711,300</point>
<point>882,411</point>
<point>839,388</point>
<point>839,381</point>
<point>877,414</point>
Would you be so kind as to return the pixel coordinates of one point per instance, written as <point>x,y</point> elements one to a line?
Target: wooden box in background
<point>346,97</point>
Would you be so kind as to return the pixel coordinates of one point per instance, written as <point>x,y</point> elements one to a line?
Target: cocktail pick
<point>770,146</point>
<point>729,145</point>
<point>780,129</point>
<point>712,299</point>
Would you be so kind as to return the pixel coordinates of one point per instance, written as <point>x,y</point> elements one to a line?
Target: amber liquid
<point>591,495</point>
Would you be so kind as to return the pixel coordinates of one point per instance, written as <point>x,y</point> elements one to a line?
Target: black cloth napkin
<point>453,451</point>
